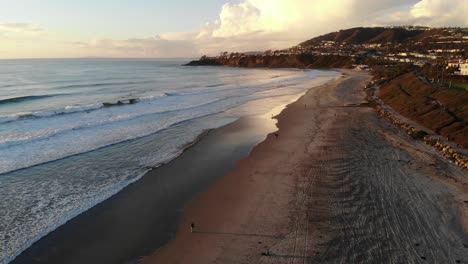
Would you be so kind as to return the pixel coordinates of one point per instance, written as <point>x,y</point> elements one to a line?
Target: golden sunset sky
<point>170,29</point>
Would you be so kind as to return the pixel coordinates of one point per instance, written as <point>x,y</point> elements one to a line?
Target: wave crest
<point>70,109</point>
<point>21,99</point>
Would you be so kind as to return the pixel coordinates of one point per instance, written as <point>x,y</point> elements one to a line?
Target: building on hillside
<point>453,64</point>
<point>460,65</point>
<point>464,68</point>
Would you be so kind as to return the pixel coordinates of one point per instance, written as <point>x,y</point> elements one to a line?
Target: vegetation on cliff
<point>401,39</point>
<point>363,35</point>
<point>279,61</point>
<point>442,110</point>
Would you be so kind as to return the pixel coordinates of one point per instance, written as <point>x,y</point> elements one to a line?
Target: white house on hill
<point>464,68</point>
<point>461,65</point>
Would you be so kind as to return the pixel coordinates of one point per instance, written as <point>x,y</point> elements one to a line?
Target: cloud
<point>275,24</point>
<point>23,28</point>
<point>441,13</point>
<point>282,23</point>
<point>24,40</point>
<point>228,24</point>
<point>152,47</point>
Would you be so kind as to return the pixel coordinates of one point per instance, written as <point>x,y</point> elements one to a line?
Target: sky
<point>177,28</point>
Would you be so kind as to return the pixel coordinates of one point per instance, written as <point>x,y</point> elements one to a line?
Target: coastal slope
<point>444,111</point>
<point>334,184</point>
<point>301,61</point>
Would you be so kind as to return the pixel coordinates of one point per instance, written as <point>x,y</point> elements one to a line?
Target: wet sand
<point>335,184</point>
<point>145,215</point>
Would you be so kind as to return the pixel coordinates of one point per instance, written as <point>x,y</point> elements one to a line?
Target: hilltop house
<point>461,65</point>
<point>454,63</point>
<point>464,68</point>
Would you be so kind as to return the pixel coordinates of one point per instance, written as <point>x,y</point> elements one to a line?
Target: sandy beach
<point>331,183</point>
<point>334,184</point>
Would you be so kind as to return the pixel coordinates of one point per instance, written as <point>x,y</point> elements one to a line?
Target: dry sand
<point>335,185</point>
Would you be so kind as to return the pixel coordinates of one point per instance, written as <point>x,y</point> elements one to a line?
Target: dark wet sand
<point>145,215</point>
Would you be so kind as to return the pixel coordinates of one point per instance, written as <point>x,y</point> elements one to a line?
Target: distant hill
<point>357,46</point>
<point>378,35</point>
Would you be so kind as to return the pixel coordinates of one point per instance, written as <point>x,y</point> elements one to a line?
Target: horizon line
<point>69,58</point>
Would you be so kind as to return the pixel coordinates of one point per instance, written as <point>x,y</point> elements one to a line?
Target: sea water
<point>73,132</point>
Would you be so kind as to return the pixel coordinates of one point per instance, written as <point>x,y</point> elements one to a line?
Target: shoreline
<point>119,210</point>
<point>212,201</point>
<point>265,194</point>
<point>55,247</point>
<point>295,196</point>
<point>79,213</point>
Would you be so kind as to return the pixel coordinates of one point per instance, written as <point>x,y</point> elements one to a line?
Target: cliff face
<point>205,62</point>
<point>279,61</point>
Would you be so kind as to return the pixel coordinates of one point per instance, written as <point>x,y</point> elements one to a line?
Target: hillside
<point>362,35</point>
<point>440,109</point>
<point>380,35</point>
<point>278,61</point>
<point>426,43</point>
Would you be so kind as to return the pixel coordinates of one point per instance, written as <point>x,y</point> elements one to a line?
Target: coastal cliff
<point>302,61</point>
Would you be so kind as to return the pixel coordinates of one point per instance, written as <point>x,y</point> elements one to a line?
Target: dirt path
<point>337,185</point>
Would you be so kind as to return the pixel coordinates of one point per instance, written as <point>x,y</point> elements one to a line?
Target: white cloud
<point>22,28</point>
<point>228,23</point>
<point>274,24</point>
<point>431,8</point>
<point>441,13</point>
<point>137,48</point>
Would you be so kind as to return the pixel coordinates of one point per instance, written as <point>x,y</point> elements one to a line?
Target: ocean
<point>73,132</point>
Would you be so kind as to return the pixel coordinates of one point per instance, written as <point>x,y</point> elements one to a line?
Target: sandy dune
<point>335,185</point>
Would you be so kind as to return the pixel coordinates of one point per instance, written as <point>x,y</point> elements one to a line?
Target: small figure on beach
<point>192,227</point>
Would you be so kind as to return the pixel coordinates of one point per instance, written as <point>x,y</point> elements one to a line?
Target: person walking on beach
<point>192,227</point>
